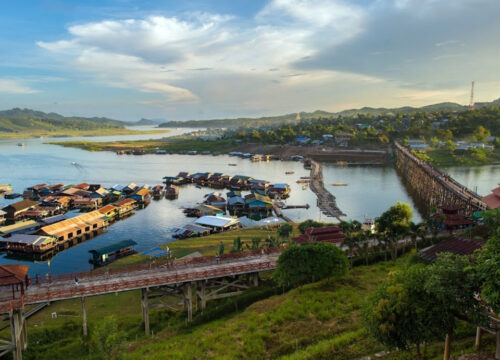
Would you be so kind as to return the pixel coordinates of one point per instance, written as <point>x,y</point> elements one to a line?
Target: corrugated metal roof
<point>21,205</point>
<point>456,246</point>
<point>23,225</point>
<point>27,239</point>
<point>216,221</point>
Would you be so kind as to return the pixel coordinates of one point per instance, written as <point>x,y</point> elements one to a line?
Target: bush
<point>309,263</point>
<point>304,225</point>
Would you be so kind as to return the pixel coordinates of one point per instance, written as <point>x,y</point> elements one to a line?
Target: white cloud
<point>12,86</point>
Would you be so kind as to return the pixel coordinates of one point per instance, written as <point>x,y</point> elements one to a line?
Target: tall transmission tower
<point>471,103</point>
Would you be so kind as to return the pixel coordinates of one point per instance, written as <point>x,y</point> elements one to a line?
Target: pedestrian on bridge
<point>76,280</point>
<point>217,258</point>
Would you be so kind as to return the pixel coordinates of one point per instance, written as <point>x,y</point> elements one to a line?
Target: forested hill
<point>292,118</point>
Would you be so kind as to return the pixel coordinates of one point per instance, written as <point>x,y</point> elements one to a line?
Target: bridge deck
<point>65,287</point>
<point>459,190</point>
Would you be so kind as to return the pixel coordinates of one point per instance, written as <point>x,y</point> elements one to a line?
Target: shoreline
<point>55,135</point>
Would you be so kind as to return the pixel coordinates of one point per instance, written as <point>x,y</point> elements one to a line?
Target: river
<point>370,190</point>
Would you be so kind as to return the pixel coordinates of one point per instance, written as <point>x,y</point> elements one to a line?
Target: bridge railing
<point>164,265</point>
<point>130,282</point>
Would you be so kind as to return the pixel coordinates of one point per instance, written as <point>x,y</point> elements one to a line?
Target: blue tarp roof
<point>155,252</point>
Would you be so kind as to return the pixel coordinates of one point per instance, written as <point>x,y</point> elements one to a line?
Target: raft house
<point>107,254</point>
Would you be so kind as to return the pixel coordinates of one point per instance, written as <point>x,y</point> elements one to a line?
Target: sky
<point>193,59</point>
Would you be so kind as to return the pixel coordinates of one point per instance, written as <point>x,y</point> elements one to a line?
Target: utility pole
<point>471,103</point>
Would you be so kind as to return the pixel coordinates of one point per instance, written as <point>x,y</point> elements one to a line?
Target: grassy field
<point>77,133</point>
<point>177,144</point>
<point>440,157</point>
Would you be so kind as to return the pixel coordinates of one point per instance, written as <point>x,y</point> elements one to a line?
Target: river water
<point>370,190</point>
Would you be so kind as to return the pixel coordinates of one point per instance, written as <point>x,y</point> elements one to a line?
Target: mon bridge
<point>433,186</point>
<point>163,284</point>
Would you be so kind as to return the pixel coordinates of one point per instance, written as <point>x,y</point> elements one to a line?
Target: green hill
<point>25,123</point>
<point>292,118</point>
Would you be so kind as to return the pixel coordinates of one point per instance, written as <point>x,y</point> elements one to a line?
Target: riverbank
<point>77,133</point>
<point>184,144</point>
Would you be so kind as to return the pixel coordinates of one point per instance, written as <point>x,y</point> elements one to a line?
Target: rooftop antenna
<point>471,103</point>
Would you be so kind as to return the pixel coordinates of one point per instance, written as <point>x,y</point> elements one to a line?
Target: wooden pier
<point>432,187</point>
<point>326,201</point>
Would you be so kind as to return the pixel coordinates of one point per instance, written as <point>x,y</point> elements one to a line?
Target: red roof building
<point>452,218</point>
<point>457,246</point>
<point>14,276</point>
<point>493,199</point>
<point>331,234</point>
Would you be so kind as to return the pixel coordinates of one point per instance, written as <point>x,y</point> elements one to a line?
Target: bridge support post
<point>255,279</point>
<point>145,310</point>
<point>18,333</point>
<point>188,300</point>
<point>202,296</point>
<point>479,335</point>
<point>84,318</point>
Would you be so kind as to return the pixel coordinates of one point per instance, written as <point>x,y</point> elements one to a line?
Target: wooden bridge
<point>432,186</point>
<point>326,201</point>
<point>163,285</point>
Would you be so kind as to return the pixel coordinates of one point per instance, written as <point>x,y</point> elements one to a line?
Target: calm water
<point>371,190</point>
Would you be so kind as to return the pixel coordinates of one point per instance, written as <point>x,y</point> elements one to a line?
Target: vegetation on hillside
<point>24,123</point>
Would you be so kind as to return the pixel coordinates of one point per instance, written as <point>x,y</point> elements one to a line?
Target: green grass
<point>441,157</point>
<point>177,144</point>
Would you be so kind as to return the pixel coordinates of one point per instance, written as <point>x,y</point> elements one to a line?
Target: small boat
<point>233,164</point>
<point>289,172</point>
<point>303,181</point>
<point>73,163</point>
<point>13,196</point>
<point>305,177</point>
<point>304,187</point>
<point>198,186</point>
<point>20,144</point>
<point>338,184</point>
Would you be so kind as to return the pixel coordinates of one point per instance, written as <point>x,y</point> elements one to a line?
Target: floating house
<point>216,201</point>
<point>2,217</point>
<point>258,203</point>
<point>75,227</point>
<point>53,219</point>
<point>205,209</point>
<point>110,211</point>
<point>280,190</point>
<point>236,204</point>
<point>18,209</point>
<point>130,188</point>
<point>126,206</point>
<point>87,203</point>
<point>171,191</point>
<point>142,196</point>
<point>110,253</point>
<point>218,223</point>
<point>158,192</point>
<point>21,227</point>
<point>28,243</point>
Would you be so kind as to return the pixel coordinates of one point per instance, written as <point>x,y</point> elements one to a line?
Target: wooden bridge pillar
<point>84,318</point>
<point>255,279</point>
<point>18,333</point>
<point>497,352</point>
<point>145,310</point>
<point>188,300</point>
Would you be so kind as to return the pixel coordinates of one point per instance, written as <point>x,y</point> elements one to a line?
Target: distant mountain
<point>32,121</point>
<point>148,122</point>
<point>292,118</point>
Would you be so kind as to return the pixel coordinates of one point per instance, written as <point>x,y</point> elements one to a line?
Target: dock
<point>326,201</point>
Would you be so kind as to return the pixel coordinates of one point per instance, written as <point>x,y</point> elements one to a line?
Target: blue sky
<point>180,60</point>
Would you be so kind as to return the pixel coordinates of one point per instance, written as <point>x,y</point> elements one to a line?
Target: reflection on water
<point>370,190</point>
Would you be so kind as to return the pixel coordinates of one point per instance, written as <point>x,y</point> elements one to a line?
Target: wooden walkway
<point>63,287</point>
<point>326,201</point>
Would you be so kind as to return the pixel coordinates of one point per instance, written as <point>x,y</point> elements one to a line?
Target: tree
<point>304,225</point>
<point>399,313</point>
<point>237,245</point>
<point>304,264</point>
<point>395,222</point>
<point>106,336</point>
<point>255,244</point>
<point>481,133</point>
<point>221,248</point>
<point>488,267</point>
<point>285,230</point>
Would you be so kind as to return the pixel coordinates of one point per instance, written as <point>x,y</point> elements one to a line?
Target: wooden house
<point>126,206</point>
<point>218,223</point>
<point>142,196</point>
<point>28,243</point>
<point>75,227</point>
<point>110,253</point>
<point>256,202</point>
<point>17,210</point>
<point>110,211</point>
<point>87,203</point>
<point>82,186</point>
<point>14,276</point>
<point>216,201</point>
<point>2,217</point>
